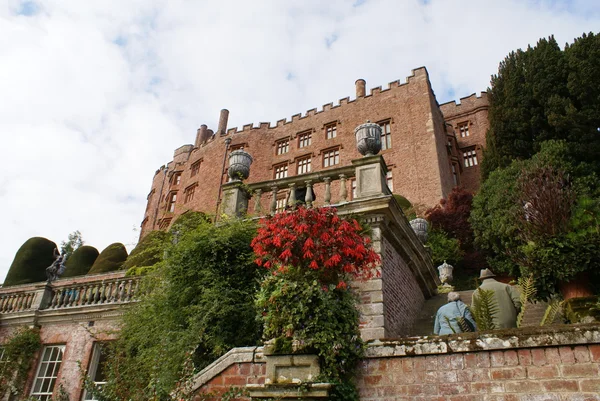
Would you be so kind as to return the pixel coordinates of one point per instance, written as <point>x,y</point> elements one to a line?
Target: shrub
<point>81,261</point>
<point>110,259</point>
<point>31,261</point>
<point>443,248</point>
<point>147,253</point>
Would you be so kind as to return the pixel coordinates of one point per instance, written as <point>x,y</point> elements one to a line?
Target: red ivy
<point>316,239</point>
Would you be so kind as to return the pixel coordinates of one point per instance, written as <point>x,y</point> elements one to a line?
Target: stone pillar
<point>273,199</point>
<point>327,197</point>
<point>309,194</point>
<point>235,199</point>
<point>292,198</point>
<point>371,178</point>
<point>343,189</point>
<point>257,206</point>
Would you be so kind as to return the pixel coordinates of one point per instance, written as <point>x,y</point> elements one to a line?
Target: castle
<point>428,149</point>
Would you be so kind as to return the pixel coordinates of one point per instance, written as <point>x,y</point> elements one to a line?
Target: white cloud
<point>95,95</point>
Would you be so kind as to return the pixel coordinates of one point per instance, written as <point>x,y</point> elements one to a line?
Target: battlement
<point>467,103</point>
<point>417,73</point>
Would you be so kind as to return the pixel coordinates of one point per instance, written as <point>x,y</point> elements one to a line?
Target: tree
<point>545,93</point>
<point>196,305</point>
<point>74,241</point>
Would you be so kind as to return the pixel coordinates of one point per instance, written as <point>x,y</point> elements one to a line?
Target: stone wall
<point>561,363</point>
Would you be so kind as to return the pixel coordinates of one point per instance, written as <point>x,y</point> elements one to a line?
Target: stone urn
<point>445,272</point>
<point>368,138</point>
<point>420,227</point>
<point>239,165</point>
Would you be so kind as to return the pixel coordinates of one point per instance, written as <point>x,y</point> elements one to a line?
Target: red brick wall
<point>236,375</point>
<point>417,158</point>
<point>402,295</point>
<point>474,111</point>
<point>567,373</point>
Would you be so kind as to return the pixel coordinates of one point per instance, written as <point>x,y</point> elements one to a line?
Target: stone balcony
<point>74,298</point>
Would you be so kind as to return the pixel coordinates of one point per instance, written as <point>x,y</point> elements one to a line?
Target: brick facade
<point>418,157</point>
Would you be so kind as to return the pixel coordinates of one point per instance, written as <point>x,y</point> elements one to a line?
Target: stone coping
<point>528,337</point>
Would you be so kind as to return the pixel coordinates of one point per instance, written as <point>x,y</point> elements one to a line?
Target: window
<point>331,157</point>
<point>195,168</point>
<point>280,171</point>
<point>454,175</point>
<point>239,146</point>
<point>283,146</point>
<point>331,131</point>
<point>189,193</point>
<point>304,139</point>
<point>463,128</point>
<point>281,204</point>
<point>171,203</point>
<point>96,370</point>
<point>164,223</point>
<point>390,181</point>
<point>303,165</point>
<point>47,372</point>
<point>176,180</point>
<point>470,158</point>
<point>386,134</point>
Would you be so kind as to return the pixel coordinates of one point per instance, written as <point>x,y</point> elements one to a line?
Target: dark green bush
<point>81,261</point>
<point>148,252</point>
<point>111,259</point>
<point>31,261</point>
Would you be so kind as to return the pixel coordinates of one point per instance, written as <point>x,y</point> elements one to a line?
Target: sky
<point>95,95</point>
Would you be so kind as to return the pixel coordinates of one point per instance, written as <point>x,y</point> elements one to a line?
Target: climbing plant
<point>18,352</point>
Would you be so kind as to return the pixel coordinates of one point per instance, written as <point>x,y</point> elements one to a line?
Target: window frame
<point>47,395</point>
<point>386,137</point>
<point>389,178</point>
<point>188,192</point>
<point>336,157</point>
<point>307,167</point>
<point>282,146</point>
<point>195,167</point>
<point>171,201</point>
<point>93,368</point>
<point>470,157</point>
<point>331,130</point>
<point>304,136</point>
<point>465,131</point>
<point>285,170</point>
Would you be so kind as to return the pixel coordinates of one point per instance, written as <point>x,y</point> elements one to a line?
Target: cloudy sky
<point>95,95</point>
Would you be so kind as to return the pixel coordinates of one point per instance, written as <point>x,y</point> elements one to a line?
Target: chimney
<point>201,136</point>
<point>209,135</point>
<point>360,87</point>
<point>222,130</point>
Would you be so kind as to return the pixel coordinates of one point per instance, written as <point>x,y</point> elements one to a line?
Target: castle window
<point>195,168</point>
<point>281,203</point>
<point>390,181</point>
<point>386,134</point>
<point>280,171</point>
<point>47,372</point>
<point>189,193</point>
<point>176,180</point>
<point>303,165</point>
<point>96,370</point>
<point>463,128</point>
<point>283,146</point>
<point>331,131</point>
<point>470,157</point>
<point>171,203</point>
<point>331,157</point>
<point>164,223</point>
<point>304,139</point>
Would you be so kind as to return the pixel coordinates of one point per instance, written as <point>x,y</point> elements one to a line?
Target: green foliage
<point>402,202</point>
<point>583,309</point>
<point>554,307</point>
<point>198,303</point>
<point>147,253</point>
<point>484,309</point>
<point>527,292</point>
<point>74,241</point>
<point>31,261</point>
<point>110,259</point>
<point>81,261</point>
<point>19,350</point>
<point>443,248</point>
<point>545,93</point>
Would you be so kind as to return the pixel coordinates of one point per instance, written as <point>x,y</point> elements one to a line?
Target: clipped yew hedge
<point>31,261</point>
<point>110,259</point>
<point>81,261</point>
<point>148,252</point>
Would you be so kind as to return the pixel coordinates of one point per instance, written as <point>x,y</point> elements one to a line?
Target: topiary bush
<point>148,252</point>
<point>81,261</point>
<point>111,259</point>
<point>31,261</point>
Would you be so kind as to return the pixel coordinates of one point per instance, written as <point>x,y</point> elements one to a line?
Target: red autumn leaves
<point>316,239</point>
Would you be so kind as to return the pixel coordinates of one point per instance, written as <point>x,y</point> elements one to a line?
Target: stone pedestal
<point>371,178</point>
<point>235,199</point>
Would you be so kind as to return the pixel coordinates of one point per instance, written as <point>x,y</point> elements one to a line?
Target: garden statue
<point>445,271</point>
<point>57,268</point>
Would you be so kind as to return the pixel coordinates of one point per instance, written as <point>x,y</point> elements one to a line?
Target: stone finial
<point>368,138</point>
<point>420,227</point>
<point>445,272</point>
<point>239,165</point>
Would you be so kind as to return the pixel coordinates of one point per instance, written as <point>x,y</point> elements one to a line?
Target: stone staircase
<point>424,324</point>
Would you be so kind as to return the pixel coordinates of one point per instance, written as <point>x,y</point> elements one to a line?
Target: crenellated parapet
<point>468,104</point>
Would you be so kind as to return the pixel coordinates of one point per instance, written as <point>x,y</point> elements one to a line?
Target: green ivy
<point>18,354</point>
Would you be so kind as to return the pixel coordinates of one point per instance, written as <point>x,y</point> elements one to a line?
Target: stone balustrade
<point>95,293</point>
<point>17,302</point>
